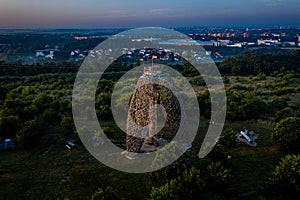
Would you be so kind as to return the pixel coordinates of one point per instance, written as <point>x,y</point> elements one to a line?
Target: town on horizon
<point>54,45</point>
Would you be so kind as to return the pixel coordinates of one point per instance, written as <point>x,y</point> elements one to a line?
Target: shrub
<point>283,113</point>
<point>218,154</point>
<point>106,194</point>
<point>50,116</point>
<point>288,171</point>
<point>287,134</point>
<point>193,182</point>
<point>68,126</point>
<point>42,102</point>
<point>30,132</point>
<point>284,182</point>
<point>168,191</point>
<point>260,76</point>
<point>228,138</point>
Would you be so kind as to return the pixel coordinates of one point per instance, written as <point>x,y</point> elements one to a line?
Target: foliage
<point>283,113</point>
<point>243,105</point>
<point>278,104</point>
<point>204,104</point>
<point>168,191</point>
<point>28,113</point>
<point>251,63</point>
<point>103,106</point>
<point>173,170</point>
<point>288,171</point>
<point>50,116</point>
<point>198,81</point>
<point>287,135</point>
<point>42,101</point>
<point>261,76</point>
<point>218,154</point>
<point>68,126</point>
<point>31,131</point>
<point>106,194</point>
<point>192,182</point>
<point>228,138</point>
<point>284,182</point>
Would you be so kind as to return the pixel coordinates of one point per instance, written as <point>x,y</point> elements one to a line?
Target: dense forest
<point>263,92</point>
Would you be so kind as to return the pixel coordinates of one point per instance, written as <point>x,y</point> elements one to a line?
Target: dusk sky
<point>136,13</point>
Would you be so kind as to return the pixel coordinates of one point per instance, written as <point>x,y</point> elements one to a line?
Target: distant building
<point>205,43</point>
<point>276,34</point>
<point>81,38</point>
<point>288,44</point>
<point>39,53</point>
<point>246,35</point>
<point>239,45</point>
<point>268,42</point>
<point>46,53</point>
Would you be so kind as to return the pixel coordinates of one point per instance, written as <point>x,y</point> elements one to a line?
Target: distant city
<point>39,46</point>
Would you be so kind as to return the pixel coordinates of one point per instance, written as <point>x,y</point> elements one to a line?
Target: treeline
<point>18,69</point>
<point>251,63</point>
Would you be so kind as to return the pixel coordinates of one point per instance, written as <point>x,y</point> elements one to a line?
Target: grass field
<point>49,171</point>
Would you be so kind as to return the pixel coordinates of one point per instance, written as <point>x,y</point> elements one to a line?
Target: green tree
<point>42,102</point>
<point>287,135</point>
<point>30,132</point>
<point>103,106</point>
<point>68,125</point>
<point>243,105</point>
<point>204,104</point>
<point>50,116</point>
<point>28,113</point>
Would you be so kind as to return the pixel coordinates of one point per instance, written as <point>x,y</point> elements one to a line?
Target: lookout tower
<point>153,91</point>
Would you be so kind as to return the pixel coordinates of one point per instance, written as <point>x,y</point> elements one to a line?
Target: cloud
<point>161,11</point>
<point>273,3</point>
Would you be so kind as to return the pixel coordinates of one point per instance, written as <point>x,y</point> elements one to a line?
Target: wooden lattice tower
<point>153,87</point>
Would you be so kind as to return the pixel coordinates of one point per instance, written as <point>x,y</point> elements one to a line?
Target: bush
<point>42,102</point>
<point>288,171</point>
<point>204,104</point>
<point>68,126</point>
<point>283,114</point>
<point>50,116</point>
<point>192,182</point>
<point>218,154</point>
<point>175,169</point>
<point>243,105</point>
<point>287,135</point>
<point>284,182</point>
<point>168,191</point>
<point>31,131</point>
<point>228,138</point>
<point>107,194</point>
<point>28,113</point>
<point>260,76</point>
